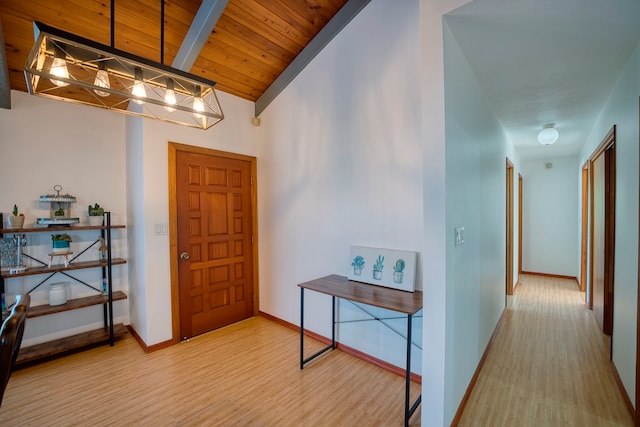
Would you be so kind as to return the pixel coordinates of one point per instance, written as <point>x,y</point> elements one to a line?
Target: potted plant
<point>96,214</point>
<point>398,271</point>
<point>358,265</point>
<point>61,242</point>
<point>377,268</point>
<point>16,220</point>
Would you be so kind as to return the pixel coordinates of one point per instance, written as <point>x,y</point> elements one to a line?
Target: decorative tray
<point>57,198</point>
<point>63,199</point>
<point>59,221</point>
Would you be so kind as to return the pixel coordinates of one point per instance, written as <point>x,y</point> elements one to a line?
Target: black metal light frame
<point>84,58</point>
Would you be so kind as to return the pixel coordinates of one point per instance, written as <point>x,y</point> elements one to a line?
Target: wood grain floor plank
<point>246,374</point>
<point>548,365</point>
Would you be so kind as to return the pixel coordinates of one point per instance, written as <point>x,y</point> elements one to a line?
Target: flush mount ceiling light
<point>548,135</point>
<point>70,68</point>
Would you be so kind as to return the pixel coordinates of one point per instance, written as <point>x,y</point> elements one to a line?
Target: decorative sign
<point>383,267</point>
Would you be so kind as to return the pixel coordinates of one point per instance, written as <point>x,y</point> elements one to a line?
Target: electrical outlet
<point>459,233</point>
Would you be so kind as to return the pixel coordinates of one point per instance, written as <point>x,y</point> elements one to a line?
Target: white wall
<point>341,165</point>
<point>621,110</point>
<point>550,224</point>
<point>135,226</point>
<point>45,143</point>
<point>476,152</point>
<point>327,147</point>
<point>434,245</point>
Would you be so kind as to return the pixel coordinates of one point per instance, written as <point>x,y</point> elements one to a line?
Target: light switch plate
<point>161,229</point>
<point>459,233</point>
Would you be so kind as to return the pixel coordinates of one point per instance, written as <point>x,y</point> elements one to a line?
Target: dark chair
<point>11,338</point>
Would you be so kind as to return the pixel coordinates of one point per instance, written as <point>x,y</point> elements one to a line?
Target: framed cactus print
<point>383,267</point>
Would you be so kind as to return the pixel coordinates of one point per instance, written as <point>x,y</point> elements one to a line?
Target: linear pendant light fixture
<point>70,68</point>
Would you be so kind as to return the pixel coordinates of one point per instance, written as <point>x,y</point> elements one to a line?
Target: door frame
<point>584,230</point>
<point>607,142</point>
<point>174,147</point>
<point>509,229</point>
<point>520,186</point>
<point>638,297</point>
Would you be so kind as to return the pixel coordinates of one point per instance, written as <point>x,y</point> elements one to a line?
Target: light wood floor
<point>243,375</point>
<point>548,365</point>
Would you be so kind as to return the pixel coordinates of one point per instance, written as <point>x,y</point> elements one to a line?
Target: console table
<point>408,303</point>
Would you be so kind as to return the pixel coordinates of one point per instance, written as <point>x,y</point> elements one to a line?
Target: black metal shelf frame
<point>105,233</point>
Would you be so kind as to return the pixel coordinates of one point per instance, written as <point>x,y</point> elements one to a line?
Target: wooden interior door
<point>603,202</point>
<point>609,235</point>
<point>214,226</point>
<point>598,255</point>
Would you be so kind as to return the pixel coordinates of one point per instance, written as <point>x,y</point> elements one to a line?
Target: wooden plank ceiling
<point>252,43</point>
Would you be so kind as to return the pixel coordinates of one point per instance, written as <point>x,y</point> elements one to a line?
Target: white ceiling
<point>547,61</point>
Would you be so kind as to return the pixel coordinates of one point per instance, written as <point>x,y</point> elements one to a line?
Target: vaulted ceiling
<point>538,61</point>
<point>251,45</point>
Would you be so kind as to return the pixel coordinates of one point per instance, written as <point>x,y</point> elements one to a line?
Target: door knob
<point>184,255</point>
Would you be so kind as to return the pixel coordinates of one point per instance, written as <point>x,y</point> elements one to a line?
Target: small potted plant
<point>96,214</point>
<point>398,271</point>
<point>16,220</point>
<point>377,268</point>
<point>61,242</point>
<point>358,265</point>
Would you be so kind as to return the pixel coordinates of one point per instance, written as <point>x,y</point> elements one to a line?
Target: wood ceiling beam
<point>328,32</point>
<point>199,31</point>
<point>5,84</point>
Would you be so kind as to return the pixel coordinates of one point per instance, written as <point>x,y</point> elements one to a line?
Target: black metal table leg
<point>408,411</point>
<point>301,328</point>
<point>333,322</point>
<point>408,373</point>
<point>331,346</point>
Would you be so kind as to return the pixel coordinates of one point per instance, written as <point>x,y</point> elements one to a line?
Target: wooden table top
<point>377,296</point>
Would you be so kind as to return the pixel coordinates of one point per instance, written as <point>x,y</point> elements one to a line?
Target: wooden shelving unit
<point>56,229</point>
<point>109,332</point>
<point>63,345</point>
<point>57,268</point>
<point>74,304</point>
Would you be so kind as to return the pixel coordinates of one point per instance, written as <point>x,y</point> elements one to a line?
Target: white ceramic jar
<point>57,294</point>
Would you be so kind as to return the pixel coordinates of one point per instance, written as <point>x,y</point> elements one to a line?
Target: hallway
<point>548,365</point>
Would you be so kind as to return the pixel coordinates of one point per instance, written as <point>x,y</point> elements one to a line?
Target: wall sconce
<point>70,68</point>
<point>548,135</point>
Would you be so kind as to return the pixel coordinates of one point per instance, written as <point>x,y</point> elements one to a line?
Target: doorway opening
<point>520,185</point>
<point>509,229</point>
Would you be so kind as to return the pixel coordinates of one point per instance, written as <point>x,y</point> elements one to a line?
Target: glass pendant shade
<point>170,96</point>
<point>198,103</point>
<point>59,67</point>
<point>109,78</point>
<point>138,90</point>
<point>102,80</point>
